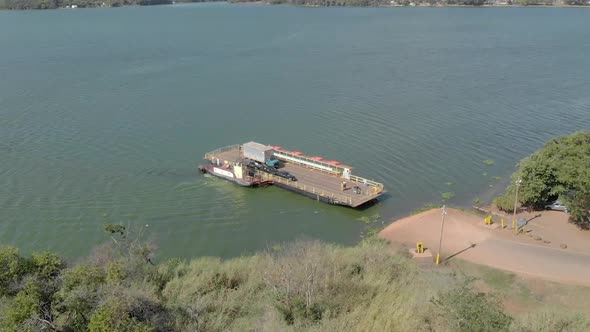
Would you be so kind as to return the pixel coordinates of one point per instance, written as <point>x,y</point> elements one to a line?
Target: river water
<point>105,114</point>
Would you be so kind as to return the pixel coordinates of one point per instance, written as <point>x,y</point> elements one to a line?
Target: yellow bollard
<point>437,259</point>
<point>513,224</point>
<point>502,223</point>
<point>419,247</point>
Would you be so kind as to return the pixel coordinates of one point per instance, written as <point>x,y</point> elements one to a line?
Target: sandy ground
<point>536,253</point>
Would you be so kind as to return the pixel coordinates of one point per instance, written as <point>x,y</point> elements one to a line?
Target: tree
<point>473,2</point>
<point>561,169</point>
<point>113,315</point>
<point>47,265</point>
<point>26,306</point>
<point>576,2</point>
<point>12,268</point>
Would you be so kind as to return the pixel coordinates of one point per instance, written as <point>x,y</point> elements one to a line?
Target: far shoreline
<point>266,3</point>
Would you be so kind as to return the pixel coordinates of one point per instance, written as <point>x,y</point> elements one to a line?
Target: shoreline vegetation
<point>558,171</point>
<point>301,286</point>
<point>71,4</point>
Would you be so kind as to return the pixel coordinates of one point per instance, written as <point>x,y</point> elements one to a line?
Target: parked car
<point>557,206</point>
<point>286,175</point>
<point>255,165</point>
<point>261,167</point>
<point>273,162</point>
<point>269,169</point>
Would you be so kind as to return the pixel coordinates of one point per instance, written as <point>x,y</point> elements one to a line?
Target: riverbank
<point>80,4</point>
<point>549,249</point>
<point>16,5</point>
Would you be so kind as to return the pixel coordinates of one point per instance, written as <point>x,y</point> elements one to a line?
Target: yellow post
<point>513,224</point>
<point>502,222</point>
<point>419,247</point>
<point>442,225</point>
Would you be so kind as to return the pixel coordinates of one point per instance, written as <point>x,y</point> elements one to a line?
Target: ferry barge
<point>253,164</point>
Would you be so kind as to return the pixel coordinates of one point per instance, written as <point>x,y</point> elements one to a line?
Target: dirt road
<point>499,248</point>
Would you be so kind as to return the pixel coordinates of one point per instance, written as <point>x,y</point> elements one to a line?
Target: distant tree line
<point>53,4</point>
<point>375,3</point>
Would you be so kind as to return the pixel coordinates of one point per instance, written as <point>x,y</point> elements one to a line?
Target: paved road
<point>547,263</point>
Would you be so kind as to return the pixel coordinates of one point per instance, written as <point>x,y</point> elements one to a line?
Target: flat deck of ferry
<point>329,185</point>
<point>312,181</point>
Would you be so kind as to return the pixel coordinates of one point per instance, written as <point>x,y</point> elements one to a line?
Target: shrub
<point>47,265</point>
<point>114,316</point>
<point>550,322</point>
<point>12,268</point>
<point>471,311</point>
<point>505,202</point>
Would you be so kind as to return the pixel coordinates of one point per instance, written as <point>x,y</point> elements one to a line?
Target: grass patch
<point>535,297</point>
<point>369,219</point>
<point>447,195</point>
<point>497,279</point>
<point>488,162</point>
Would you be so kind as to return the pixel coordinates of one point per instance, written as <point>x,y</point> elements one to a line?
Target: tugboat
<point>236,173</point>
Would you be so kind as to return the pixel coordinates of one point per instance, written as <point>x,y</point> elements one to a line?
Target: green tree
<point>576,2</point>
<point>561,169</point>
<point>12,268</point>
<point>76,306</point>
<point>47,265</point>
<point>26,306</point>
<point>84,275</point>
<point>114,315</point>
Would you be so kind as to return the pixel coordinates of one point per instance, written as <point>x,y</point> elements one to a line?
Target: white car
<point>557,206</point>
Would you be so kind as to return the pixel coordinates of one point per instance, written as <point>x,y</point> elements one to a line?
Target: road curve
<point>527,259</point>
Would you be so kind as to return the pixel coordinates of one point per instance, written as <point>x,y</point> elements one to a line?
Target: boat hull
<point>226,175</point>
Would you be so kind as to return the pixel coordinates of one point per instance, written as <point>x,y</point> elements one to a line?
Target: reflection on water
<point>99,126</point>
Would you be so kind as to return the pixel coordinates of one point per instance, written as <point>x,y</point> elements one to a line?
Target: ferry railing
<point>308,162</point>
<point>376,186</point>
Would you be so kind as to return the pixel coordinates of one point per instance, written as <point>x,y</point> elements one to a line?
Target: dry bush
<point>210,295</point>
<point>550,322</point>
<point>313,286</point>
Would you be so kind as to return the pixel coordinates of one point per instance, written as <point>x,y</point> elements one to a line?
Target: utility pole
<point>442,226</point>
<point>518,182</point>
